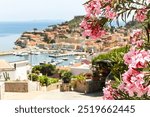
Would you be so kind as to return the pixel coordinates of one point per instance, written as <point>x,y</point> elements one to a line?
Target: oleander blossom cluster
<point>91,28</point>
<point>141,15</point>
<point>133,80</point>
<point>109,9</point>
<point>94,9</point>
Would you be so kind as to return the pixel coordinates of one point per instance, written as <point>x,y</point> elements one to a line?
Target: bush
<point>116,57</point>
<point>45,69</point>
<point>43,80</point>
<point>65,75</point>
<point>52,81</point>
<point>36,68</point>
<point>33,77</point>
<point>46,81</point>
<point>79,77</point>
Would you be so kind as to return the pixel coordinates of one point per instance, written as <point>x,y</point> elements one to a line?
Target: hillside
<point>74,23</point>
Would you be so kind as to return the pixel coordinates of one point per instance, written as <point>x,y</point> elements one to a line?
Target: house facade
<point>14,71</point>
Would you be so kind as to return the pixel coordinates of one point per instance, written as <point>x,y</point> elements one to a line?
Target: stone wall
<point>53,86</point>
<point>88,86</point>
<point>21,86</point>
<point>17,86</point>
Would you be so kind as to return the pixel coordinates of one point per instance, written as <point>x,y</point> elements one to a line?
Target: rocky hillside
<point>74,23</point>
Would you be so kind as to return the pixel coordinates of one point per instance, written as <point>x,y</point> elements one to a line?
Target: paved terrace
<point>52,95</point>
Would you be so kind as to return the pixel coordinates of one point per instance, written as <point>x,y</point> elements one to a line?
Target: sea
<point>11,31</point>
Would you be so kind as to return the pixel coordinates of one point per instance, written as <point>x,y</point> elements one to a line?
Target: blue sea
<point>11,31</point>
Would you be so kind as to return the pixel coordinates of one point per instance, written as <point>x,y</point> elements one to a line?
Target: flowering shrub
<point>135,82</point>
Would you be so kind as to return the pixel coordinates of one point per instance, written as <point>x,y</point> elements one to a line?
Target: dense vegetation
<point>74,23</point>
<point>116,57</point>
<point>45,69</point>
<point>44,80</point>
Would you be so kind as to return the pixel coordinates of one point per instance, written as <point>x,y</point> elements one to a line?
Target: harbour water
<point>10,32</point>
<point>41,58</point>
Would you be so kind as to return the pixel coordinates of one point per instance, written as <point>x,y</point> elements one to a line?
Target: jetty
<point>6,53</point>
<point>67,54</point>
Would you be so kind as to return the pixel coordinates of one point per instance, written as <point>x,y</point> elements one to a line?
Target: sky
<point>31,10</point>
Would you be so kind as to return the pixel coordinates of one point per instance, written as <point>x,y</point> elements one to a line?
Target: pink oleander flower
<point>140,90</point>
<point>122,86</point>
<point>91,28</point>
<point>141,15</point>
<point>128,74</point>
<point>138,79</point>
<point>128,56</point>
<point>135,88</point>
<point>138,63</point>
<point>108,93</point>
<point>139,43</point>
<point>135,36</point>
<point>137,58</point>
<point>141,59</point>
<point>129,88</point>
<point>109,13</point>
<point>93,8</point>
<point>136,33</point>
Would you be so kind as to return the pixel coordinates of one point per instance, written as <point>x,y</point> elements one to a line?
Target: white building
<point>15,70</point>
<point>80,69</point>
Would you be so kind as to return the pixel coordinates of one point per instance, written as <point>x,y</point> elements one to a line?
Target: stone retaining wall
<point>21,86</point>
<point>16,86</point>
<point>88,86</point>
<point>53,86</point>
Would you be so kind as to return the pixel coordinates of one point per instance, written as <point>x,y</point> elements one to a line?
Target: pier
<point>68,54</point>
<point>6,53</point>
<point>41,51</point>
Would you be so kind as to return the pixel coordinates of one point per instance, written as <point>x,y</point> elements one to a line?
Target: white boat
<point>35,53</point>
<point>14,53</point>
<point>18,54</point>
<point>24,54</point>
<point>54,63</point>
<point>60,61</point>
<point>65,59</point>
<point>72,63</point>
<point>77,58</point>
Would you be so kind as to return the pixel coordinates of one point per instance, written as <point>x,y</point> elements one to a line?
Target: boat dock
<point>6,53</point>
<point>68,54</point>
<point>42,51</point>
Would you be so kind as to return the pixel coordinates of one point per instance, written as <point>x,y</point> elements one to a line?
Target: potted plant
<point>66,76</point>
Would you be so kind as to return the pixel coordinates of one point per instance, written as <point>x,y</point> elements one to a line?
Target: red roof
<point>86,62</point>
